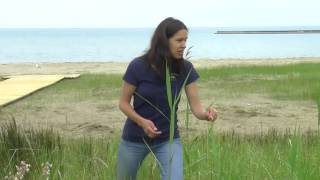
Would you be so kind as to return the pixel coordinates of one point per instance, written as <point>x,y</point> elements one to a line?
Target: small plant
<point>173,104</point>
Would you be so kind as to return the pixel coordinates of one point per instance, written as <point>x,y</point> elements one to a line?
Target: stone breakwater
<point>269,32</point>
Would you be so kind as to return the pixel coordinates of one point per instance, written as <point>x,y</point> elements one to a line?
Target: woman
<point>147,126</point>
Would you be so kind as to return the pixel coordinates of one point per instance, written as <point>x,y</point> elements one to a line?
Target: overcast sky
<point>148,13</point>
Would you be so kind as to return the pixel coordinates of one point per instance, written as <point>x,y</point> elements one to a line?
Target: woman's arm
<point>124,105</point>
<point>192,94</point>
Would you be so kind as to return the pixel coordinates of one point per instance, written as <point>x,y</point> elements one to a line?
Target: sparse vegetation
<point>210,155</point>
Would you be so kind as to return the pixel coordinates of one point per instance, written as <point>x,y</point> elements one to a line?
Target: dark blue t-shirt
<point>149,87</point>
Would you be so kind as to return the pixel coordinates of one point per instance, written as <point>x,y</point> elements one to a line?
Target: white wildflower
<point>46,168</point>
<point>22,169</point>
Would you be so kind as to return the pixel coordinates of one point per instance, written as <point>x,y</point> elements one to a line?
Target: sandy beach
<point>254,113</point>
<point>119,67</point>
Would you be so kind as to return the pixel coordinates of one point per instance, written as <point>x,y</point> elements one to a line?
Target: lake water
<point>79,45</point>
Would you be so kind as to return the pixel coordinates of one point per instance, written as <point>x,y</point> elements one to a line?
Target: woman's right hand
<point>150,129</point>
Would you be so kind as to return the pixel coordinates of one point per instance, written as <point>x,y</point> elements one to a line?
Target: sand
<point>120,67</point>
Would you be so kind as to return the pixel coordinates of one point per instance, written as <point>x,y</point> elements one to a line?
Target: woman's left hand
<point>211,114</point>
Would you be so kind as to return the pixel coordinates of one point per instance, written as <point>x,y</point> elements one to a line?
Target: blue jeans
<point>131,156</point>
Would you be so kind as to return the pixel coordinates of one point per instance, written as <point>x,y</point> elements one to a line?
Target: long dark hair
<point>159,51</point>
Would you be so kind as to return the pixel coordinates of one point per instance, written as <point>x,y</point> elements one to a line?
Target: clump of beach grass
<point>19,146</point>
<point>210,155</point>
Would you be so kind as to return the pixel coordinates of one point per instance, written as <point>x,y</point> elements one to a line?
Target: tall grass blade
<point>295,153</point>
<point>187,117</point>
<point>155,157</point>
<point>28,143</point>
<point>155,107</point>
<point>172,108</point>
<point>318,105</point>
<point>187,56</point>
<point>183,86</point>
<point>168,86</point>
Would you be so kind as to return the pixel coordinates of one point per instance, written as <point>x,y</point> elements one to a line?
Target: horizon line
<point>149,27</point>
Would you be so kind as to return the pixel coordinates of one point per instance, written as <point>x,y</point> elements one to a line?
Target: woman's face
<point>177,43</point>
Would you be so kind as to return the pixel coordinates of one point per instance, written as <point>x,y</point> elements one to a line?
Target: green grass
<point>208,156</point>
<point>88,86</point>
<point>295,81</point>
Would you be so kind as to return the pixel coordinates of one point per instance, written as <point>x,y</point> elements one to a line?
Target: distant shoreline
<point>270,32</point>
